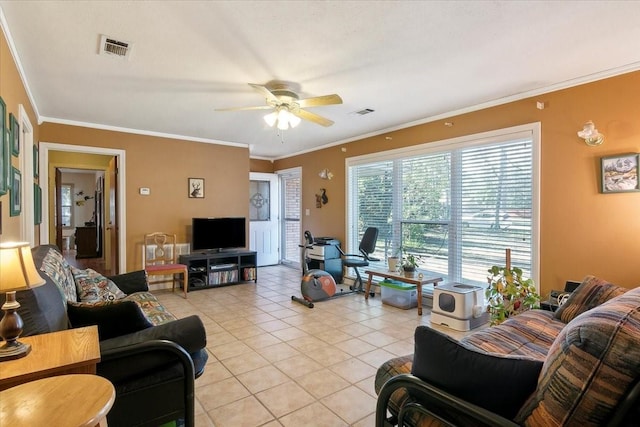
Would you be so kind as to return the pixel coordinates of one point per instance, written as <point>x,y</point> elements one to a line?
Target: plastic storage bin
<point>398,294</point>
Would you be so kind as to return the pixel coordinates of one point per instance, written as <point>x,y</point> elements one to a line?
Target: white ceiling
<point>410,61</point>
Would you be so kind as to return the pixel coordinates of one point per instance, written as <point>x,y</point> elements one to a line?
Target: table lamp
<point>17,272</point>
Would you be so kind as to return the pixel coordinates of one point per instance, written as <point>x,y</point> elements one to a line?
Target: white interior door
<point>264,204</point>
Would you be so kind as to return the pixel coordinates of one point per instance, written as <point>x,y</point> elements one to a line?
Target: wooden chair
<point>160,259</point>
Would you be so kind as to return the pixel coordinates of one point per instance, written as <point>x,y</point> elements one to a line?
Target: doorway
<point>117,227</point>
<point>263,217</point>
<point>79,218</point>
<point>291,207</point>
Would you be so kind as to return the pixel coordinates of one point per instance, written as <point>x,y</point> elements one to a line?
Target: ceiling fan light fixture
<point>283,119</point>
<point>294,120</point>
<point>271,118</point>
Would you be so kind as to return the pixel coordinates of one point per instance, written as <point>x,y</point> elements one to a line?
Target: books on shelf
<point>224,276</point>
<point>249,273</point>
<point>223,266</point>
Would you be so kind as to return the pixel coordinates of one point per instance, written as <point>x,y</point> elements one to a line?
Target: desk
<point>74,351</point>
<point>426,278</point>
<point>78,400</point>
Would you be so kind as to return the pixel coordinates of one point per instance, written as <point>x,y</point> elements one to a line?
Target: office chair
<point>367,247</point>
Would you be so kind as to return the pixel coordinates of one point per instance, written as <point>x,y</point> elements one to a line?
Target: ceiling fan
<point>288,106</point>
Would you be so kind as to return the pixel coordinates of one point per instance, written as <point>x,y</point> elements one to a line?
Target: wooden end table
<point>77,400</point>
<point>73,351</point>
<point>421,278</point>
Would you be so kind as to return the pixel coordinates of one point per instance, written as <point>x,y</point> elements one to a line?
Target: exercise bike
<point>316,284</point>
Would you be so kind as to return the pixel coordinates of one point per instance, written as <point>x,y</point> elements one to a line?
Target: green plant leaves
<point>509,293</point>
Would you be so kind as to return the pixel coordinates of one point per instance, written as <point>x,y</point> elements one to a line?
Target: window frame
<point>531,131</point>
<point>71,208</point>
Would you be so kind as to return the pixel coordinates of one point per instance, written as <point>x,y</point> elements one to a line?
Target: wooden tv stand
<point>214,269</point>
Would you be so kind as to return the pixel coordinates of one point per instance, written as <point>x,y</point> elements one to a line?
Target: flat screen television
<point>217,234</point>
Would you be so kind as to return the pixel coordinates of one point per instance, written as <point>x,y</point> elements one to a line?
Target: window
<point>456,204</point>
<point>66,203</point>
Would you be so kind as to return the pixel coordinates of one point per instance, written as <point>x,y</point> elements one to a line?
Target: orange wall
<point>164,166</point>
<point>265,166</point>
<point>13,93</point>
<point>582,231</point>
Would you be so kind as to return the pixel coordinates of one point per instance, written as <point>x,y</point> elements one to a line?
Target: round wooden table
<point>64,401</point>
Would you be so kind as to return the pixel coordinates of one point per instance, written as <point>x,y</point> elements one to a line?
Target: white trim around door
<point>45,148</point>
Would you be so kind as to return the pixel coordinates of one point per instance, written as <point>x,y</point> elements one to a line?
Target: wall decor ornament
<point>36,161</point>
<point>4,150</point>
<point>620,173</point>
<point>37,204</point>
<point>15,135</point>
<point>15,202</point>
<point>196,188</point>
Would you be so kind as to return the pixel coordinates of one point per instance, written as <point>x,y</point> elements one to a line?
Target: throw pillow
<point>93,286</point>
<point>114,318</point>
<point>591,367</point>
<point>466,373</point>
<point>59,271</point>
<point>591,293</point>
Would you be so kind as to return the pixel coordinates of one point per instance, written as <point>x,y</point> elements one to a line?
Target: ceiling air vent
<point>113,47</point>
<point>363,112</point>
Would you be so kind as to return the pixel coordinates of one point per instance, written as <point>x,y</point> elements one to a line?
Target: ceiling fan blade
<point>320,100</point>
<point>261,107</point>
<point>312,117</point>
<point>266,92</point>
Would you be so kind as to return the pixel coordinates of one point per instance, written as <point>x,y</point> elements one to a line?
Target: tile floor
<point>274,362</point>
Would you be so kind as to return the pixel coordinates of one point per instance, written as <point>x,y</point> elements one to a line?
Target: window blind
<point>456,206</point>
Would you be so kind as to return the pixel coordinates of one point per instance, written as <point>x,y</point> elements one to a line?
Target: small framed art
<point>620,173</point>
<point>36,161</point>
<point>15,135</point>
<point>15,202</point>
<point>4,157</point>
<point>37,204</point>
<point>196,188</point>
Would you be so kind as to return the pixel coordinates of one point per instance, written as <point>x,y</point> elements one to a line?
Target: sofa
<point>150,357</point>
<point>578,366</point>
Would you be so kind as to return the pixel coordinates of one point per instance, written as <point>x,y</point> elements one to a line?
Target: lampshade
<point>17,270</point>
<point>271,118</point>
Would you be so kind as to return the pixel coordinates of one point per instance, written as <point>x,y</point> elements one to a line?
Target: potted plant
<point>509,293</point>
<point>409,265</point>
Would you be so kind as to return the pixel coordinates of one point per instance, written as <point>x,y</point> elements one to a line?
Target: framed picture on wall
<point>4,158</point>
<point>620,173</point>
<point>15,202</point>
<point>196,188</point>
<point>37,204</point>
<point>15,135</point>
<point>36,161</point>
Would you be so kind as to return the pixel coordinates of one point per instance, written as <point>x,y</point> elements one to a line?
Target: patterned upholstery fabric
<point>591,293</point>
<point>528,334</point>
<point>151,308</point>
<point>56,267</point>
<point>568,351</point>
<point>592,364</point>
<point>388,370</point>
<point>93,286</point>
